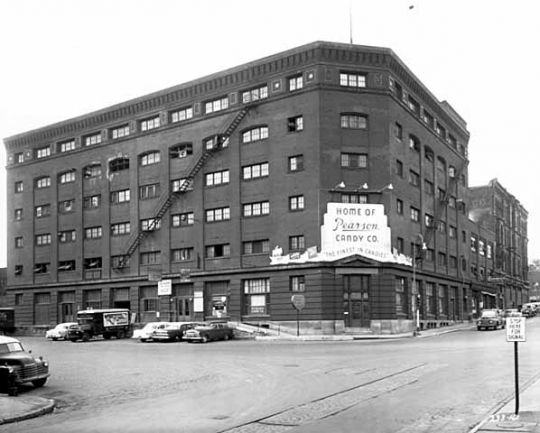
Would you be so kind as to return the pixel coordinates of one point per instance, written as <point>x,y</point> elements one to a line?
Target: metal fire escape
<point>165,203</point>
<point>443,202</point>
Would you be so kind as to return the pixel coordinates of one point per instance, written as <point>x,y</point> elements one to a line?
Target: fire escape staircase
<point>442,204</point>
<point>165,203</point>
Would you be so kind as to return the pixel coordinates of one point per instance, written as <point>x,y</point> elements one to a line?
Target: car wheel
<point>39,382</point>
<point>13,391</point>
<point>107,336</point>
<point>86,336</point>
<point>204,339</point>
<point>73,340</point>
<point>121,334</point>
<point>226,337</point>
<point>142,340</point>
<point>55,339</point>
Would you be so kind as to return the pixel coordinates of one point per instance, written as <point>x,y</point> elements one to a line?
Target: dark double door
<point>356,301</point>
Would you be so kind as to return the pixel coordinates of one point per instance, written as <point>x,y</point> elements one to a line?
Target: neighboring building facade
<point>223,197</point>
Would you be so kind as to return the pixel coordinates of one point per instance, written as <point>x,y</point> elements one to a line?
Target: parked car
<point>147,332</point>
<point>491,319</point>
<point>512,312</point>
<point>209,331</point>
<point>59,332</point>
<point>18,366</point>
<point>174,331</point>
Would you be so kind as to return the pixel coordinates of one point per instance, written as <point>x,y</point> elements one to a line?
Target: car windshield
<point>11,347</point>
<point>489,314</point>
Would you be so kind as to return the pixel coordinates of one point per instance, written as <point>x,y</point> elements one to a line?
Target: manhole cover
<point>291,365</point>
<point>510,424</point>
<point>219,417</point>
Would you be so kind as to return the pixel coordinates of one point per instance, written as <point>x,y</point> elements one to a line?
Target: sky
<point>63,58</point>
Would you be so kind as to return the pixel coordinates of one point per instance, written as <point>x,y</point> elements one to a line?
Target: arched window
<point>414,143</point>
<point>119,164</point>
<point>181,150</point>
<point>93,170</point>
<point>429,154</point>
<point>441,163</point>
<point>43,182</point>
<point>255,134</point>
<point>150,158</point>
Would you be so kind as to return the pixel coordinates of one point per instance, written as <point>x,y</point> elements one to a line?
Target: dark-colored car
<point>491,319</point>
<point>209,331</point>
<point>173,331</point>
<point>17,366</point>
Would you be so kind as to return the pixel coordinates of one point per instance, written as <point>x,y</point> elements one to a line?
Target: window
<point>216,105</point>
<point>474,244</point>
<point>401,295</point>
<point>120,132</point>
<point>441,227</point>
<point>150,123</point>
<point>453,262</point>
<point>413,105</point>
<point>92,263</point>
<point>183,219</point>
<point>489,251</point>
<point>66,146</point>
<point>255,171</point>
<point>399,207</point>
<point>119,164</point>
<point>452,171</point>
<point>354,198</point>
<point>18,214</point>
<point>295,124</point>
<point>429,187</point>
<point>428,118</point>
<point>398,131</point>
<point>430,255</point>
<point>42,211</point>
<point>441,259</point>
<point>19,242</point>
<point>18,272</point>
<point>296,203</point>
<point>18,298</point>
<point>93,233</point>
<point>415,214</point>
<point>352,80</point>
<point>178,185</point>
<point>296,163</point>
<point>67,177</point>
<point>42,268</point>
<point>442,194</point>
<point>399,90</point>
<point>296,242</point>
<point>414,143</point>
<point>441,300</point>
<point>92,202</point>
<point>149,191</point>
<point>430,298</point>
<point>66,265</point>
<point>182,114</point>
<point>150,258</point>
<point>19,187</point>
<point>255,94</point>
<point>452,202</point>
<point>400,245</point>
<point>121,196</point>
<point>43,182</point>
<point>256,209</point>
<point>182,254</point>
<point>441,131</point>
<point>256,247</point>
<point>429,220</point>
<point>42,152</point>
<point>181,150</point>
<point>354,160</point>
<point>119,229</point>
<point>216,251</point>
<point>452,231</point>
<point>67,236</point>
<point>218,214</point>
<point>214,143</point>
<point>428,154</point>
<point>296,83</point>
<point>119,261</point>
<point>91,171</point>
<point>297,283</point>
<point>90,140</point>
<point>44,239</point>
<point>19,157</point>
<point>452,141</point>
<point>441,164</point>
<point>255,134</point>
<point>150,158</point>
<point>399,168</point>
<point>217,178</point>
<point>414,178</point>
<point>482,247</point>
<point>256,295</point>
<point>66,206</point>
<point>150,224</point>
<point>353,121</point>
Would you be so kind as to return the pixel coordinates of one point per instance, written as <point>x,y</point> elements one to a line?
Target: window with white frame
<point>43,210</point>
<point>218,214</point>
<point>256,247</point>
<point>119,229</point>
<point>354,160</point>
<point>44,239</point>
<point>354,198</point>
<point>182,114</point>
<point>353,121</point>
<point>43,182</point>
<point>216,105</point>
<point>296,242</point>
<point>150,158</point>
<point>149,191</point>
<point>19,157</point>
<point>150,224</point>
<point>414,143</point>
<point>19,242</point>
<point>216,251</point>
<point>120,132</point>
<point>255,94</point>
<point>415,214</point>
<point>150,258</point>
<point>42,152</point>
<point>182,150</point>
<point>18,214</point>
<point>216,178</point>
<point>66,236</point>
<point>212,142</point>
<point>413,105</point>
<point>295,124</point>
<point>255,134</point>
<point>256,209</point>
<point>348,79</point>
<point>182,254</point>
<point>183,219</point>
<point>297,283</point>
<point>66,146</point>
<point>92,201</point>
<point>93,139</point>
<point>255,171</point>
<point>296,82</point>
<point>256,295</point>
<point>67,177</point>
<point>296,203</point>
<point>428,219</point>
<point>180,184</point>
<point>93,232</point>
<point>296,163</point>
<point>121,196</point>
<point>150,123</point>
<point>91,171</point>
<point>19,186</point>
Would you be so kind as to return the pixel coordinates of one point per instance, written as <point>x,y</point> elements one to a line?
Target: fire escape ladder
<point>165,203</point>
<point>442,203</point>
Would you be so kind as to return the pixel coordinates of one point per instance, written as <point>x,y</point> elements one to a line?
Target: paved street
<point>440,384</point>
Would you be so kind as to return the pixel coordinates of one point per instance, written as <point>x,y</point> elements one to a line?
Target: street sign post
<point>515,331</point>
<point>299,302</point>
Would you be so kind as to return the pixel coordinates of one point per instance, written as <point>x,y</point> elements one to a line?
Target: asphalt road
<point>439,384</point>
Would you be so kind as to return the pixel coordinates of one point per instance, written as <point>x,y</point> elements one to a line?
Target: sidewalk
<point>13,409</point>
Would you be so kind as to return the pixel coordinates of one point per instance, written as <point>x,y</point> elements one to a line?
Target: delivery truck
<point>112,322</point>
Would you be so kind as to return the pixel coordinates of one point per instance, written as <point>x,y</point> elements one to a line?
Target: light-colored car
<point>59,332</point>
<point>147,332</point>
<point>174,331</point>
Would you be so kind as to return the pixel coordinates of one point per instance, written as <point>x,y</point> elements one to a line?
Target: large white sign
<point>164,287</point>
<point>349,229</point>
<point>515,329</point>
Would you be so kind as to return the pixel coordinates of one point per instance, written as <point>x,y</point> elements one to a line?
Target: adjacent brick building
<point>320,171</point>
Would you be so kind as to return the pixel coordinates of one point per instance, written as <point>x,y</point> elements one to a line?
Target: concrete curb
<point>21,413</point>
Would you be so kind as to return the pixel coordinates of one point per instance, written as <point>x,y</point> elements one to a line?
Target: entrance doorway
<point>356,302</point>
<point>183,309</point>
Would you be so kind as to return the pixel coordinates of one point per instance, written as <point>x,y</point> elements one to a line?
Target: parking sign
<point>515,329</point>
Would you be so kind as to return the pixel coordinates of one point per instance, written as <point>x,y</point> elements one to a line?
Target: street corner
<point>528,422</point>
<point>14,409</point>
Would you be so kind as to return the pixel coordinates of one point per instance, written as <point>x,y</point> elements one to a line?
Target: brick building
<point>320,171</point>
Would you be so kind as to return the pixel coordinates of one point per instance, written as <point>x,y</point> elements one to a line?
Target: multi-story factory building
<point>328,171</point>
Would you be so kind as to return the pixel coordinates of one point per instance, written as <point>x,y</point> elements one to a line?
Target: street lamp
<point>414,296</point>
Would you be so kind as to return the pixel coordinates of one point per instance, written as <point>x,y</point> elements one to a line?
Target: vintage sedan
<point>491,319</point>
<point>17,366</point>
<point>209,331</point>
<point>59,332</point>
<point>174,331</point>
<point>147,332</point>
